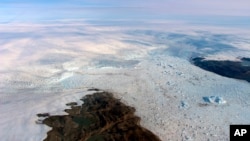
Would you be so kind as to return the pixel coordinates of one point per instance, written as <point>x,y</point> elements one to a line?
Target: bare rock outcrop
<point>100,118</point>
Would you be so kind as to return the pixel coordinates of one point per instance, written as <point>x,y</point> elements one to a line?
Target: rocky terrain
<point>233,69</point>
<point>100,118</point>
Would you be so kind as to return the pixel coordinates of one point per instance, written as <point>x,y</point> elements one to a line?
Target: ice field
<point>45,66</point>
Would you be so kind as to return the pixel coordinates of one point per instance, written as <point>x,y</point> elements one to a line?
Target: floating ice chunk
<point>180,73</point>
<point>184,105</point>
<point>214,99</point>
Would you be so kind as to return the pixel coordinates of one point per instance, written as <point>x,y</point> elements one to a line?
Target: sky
<point>44,10</point>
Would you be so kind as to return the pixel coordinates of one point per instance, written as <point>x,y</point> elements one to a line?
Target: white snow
<point>166,90</point>
<point>18,112</point>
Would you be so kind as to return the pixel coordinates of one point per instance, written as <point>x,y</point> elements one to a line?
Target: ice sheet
<point>42,71</point>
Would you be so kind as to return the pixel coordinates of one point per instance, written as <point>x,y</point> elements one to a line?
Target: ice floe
<point>214,99</point>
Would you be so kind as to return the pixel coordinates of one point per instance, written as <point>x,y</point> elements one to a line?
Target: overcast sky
<point>35,10</point>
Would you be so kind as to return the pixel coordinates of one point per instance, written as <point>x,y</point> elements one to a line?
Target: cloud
<point>28,10</point>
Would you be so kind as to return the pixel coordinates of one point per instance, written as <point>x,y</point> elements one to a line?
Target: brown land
<point>100,118</point>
